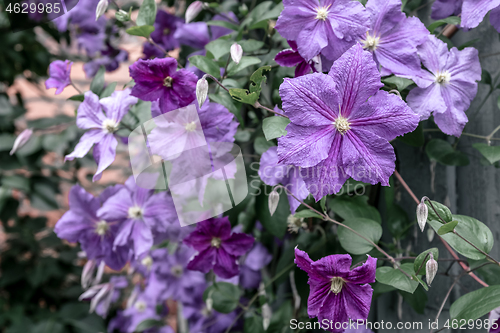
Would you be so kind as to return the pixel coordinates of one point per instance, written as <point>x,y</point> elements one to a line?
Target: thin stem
<point>77,89</point>
<point>484,137</point>
<point>488,138</point>
<point>257,105</point>
<point>328,218</point>
<point>422,264</point>
<point>217,81</point>
<point>158,46</point>
<point>407,188</point>
<point>474,246</point>
<point>446,297</point>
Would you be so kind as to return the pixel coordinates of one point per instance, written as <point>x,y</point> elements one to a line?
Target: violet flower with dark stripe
<point>291,58</point>
<point>341,125</point>
<point>218,248</point>
<point>337,293</point>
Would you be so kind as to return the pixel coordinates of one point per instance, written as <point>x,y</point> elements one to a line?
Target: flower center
<point>443,77</point>
<point>147,261</point>
<point>190,126</point>
<point>216,242</point>
<point>371,42</point>
<point>140,306</point>
<point>166,31</point>
<point>167,82</point>
<point>294,223</point>
<point>135,212</point>
<point>101,228</point>
<point>336,286</point>
<point>342,125</point>
<point>109,125</point>
<point>176,270</point>
<point>322,13</point>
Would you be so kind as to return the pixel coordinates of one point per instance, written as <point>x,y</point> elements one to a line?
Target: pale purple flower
<point>195,35</point>
<point>494,321</point>
<point>21,140</point>
<point>291,58</point>
<point>110,58</point>
<point>474,11</point>
<point>159,79</point>
<point>447,87</point>
<point>444,8</point>
<point>142,308</point>
<point>255,260</point>
<point>141,214</point>
<point>341,124</point>
<point>393,38</point>
<point>337,293</point>
<point>327,27</point>
<point>289,176</point>
<point>59,75</point>
<point>96,235</point>
<point>165,27</point>
<point>101,118</point>
<point>218,248</point>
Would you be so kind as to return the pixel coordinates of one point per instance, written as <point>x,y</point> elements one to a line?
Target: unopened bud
<point>430,234</point>
<point>270,27</point>
<point>274,199</point>
<point>243,9</point>
<point>236,52</point>
<point>21,140</point>
<point>193,10</point>
<point>101,8</point>
<point>422,212</point>
<point>210,304</point>
<point>431,269</point>
<point>267,313</point>
<point>201,91</point>
<point>122,16</point>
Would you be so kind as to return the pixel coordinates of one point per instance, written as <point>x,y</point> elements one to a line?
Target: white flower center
<point>342,125</point>
<point>190,126</point>
<point>322,13</point>
<point>135,212</point>
<point>216,242</point>
<point>294,224</point>
<point>140,306</point>
<point>443,77</point>
<point>336,286</point>
<point>101,228</point>
<point>176,270</point>
<point>371,42</point>
<point>167,82</point>
<point>109,125</point>
<point>147,261</point>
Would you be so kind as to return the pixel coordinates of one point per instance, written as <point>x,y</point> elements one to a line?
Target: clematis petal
<point>225,264</point>
<point>86,142</point>
<point>304,263</point>
<point>89,113</point>
<point>288,58</point>
<point>116,207</point>
<point>203,261</point>
<point>358,299</point>
<point>431,52</point>
<point>269,171</point>
<point>318,294</point>
<point>356,78</point>
<point>198,240</point>
<point>118,104</point>
<point>297,187</point>
<point>464,65</point>
<point>474,11</point>
<point>426,101</point>
<point>295,16</point>
<point>451,122</point>
<point>334,309</point>
<point>238,244</point>
<point>495,21</point>
<point>104,154</point>
<point>312,38</point>
<point>220,227</point>
<point>337,265</point>
<point>349,20</point>
<point>364,273</point>
<point>444,8</point>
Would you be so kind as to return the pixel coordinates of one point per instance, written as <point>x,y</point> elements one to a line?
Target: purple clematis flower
<point>158,79</point>
<point>256,259</point>
<point>163,35</point>
<point>141,308</point>
<point>393,38</point>
<point>337,293</point>
<point>448,85</point>
<point>444,8</point>
<point>110,58</point>
<point>96,236</point>
<point>218,248</point>
<point>289,176</point>
<point>101,127</point>
<point>141,214</point>
<point>474,11</point>
<point>59,72</point>
<point>341,124</point>
<point>494,321</point>
<point>328,27</point>
<point>291,57</point>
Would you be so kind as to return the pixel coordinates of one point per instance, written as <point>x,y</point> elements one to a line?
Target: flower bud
<point>122,16</point>
<point>236,52</point>
<point>201,91</point>
<point>21,140</point>
<point>422,212</point>
<point>274,199</point>
<point>193,10</point>
<point>430,234</point>
<point>431,269</point>
<point>101,8</point>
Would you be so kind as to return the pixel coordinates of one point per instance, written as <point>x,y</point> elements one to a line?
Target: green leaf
<point>397,220</point>
<point>353,243</point>
<point>251,45</point>
<point>444,153</point>
<point>447,228</point>
<point>18,182</point>
<point>486,77</point>
<point>224,24</point>
<point>205,64</point>
<point>351,207</point>
<point>306,213</point>
<point>261,145</point>
<point>275,127</point>
<point>449,20</point>
<point>97,84</point>
<point>253,324</point>
<point>250,97</point>
<point>225,296</point>
<point>476,304</point>
<point>142,31</point>
<point>422,283</point>
<point>491,153</point>
<point>441,209</point>
<point>243,96</point>
<point>147,13</point>
<point>147,324</point>
<point>393,277</point>
<point>219,47</point>
<point>258,79</point>
<point>469,43</point>
<point>417,300</point>
<point>108,90</point>
<point>245,62</point>
<point>420,259</point>
<point>471,229</point>
<point>78,98</point>
<point>415,138</point>
<point>400,83</point>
